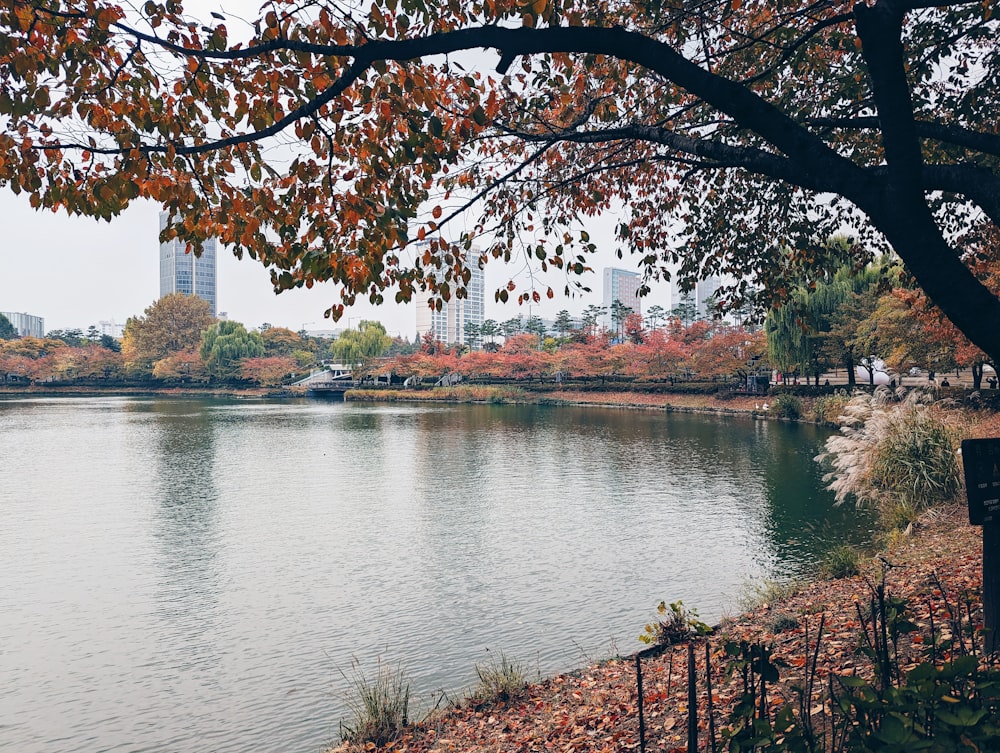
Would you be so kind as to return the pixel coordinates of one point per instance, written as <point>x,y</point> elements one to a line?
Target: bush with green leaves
<point>676,623</point>
<point>787,406</point>
<point>827,409</point>
<point>891,452</point>
<point>947,703</point>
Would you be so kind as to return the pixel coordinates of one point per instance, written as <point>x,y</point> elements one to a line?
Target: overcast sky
<point>75,272</point>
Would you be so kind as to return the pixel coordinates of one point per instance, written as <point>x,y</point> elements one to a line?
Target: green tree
<point>535,326</point>
<point>107,341</point>
<point>490,329</point>
<point>563,323</point>
<point>619,313</point>
<point>513,326</point>
<point>356,347</point>
<point>473,335</point>
<point>72,337</point>
<point>802,336</point>
<point>224,347</point>
<point>592,317</point>
<point>170,325</point>
<point>735,128</point>
<point>656,316</point>
<point>7,331</point>
<point>850,337</point>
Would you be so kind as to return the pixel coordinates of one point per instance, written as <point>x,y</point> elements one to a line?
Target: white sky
<point>76,272</point>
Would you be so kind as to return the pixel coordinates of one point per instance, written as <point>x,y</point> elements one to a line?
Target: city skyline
<point>76,272</point>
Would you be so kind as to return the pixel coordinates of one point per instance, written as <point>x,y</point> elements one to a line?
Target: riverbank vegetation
<point>836,327</point>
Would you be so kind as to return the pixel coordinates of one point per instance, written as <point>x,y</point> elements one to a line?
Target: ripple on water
<point>180,576</point>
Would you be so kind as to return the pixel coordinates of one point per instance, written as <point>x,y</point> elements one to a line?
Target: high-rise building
<point>705,292</point>
<point>698,303</point>
<point>449,324</point>
<point>26,324</point>
<point>623,286</point>
<point>181,272</point>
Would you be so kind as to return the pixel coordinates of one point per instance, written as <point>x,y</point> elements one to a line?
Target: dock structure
<point>332,378</point>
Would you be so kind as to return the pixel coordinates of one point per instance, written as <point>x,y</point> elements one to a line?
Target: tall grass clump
<point>827,409</point>
<point>500,679</point>
<point>378,707</point>
<point>896,455</point>
<point>842,562</point>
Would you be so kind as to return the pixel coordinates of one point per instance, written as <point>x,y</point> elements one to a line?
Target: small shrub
<point>501,679</point>
<point>677,623</point>
<point>899,516</point>
<point>787,406</point>
<point>379,707</point>
<point>841,562</point>
<point>782,622</point>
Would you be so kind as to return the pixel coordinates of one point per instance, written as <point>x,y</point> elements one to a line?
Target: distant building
<point>181,272</point>
<point>449,324</point>
<point>621,285</point>
<point>705,292</point>
<point>111,328</point>
<point>700,301</point>
<point>26,324</point>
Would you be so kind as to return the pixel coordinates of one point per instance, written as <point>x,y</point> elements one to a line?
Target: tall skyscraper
<point>698,303</point>
<point>181,272</point>
<point>620,285</point>
<point>449,324</point>
<point>705,296</point>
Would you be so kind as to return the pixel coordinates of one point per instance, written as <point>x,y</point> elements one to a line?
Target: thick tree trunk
<point>948,282</point>
<point>899,209</point>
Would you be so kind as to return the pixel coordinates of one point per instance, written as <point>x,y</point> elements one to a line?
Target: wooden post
<point>981,460</point>
<point>708,686</point>
<point>991,587</point>
<point>692,702</point>
<point>642,718</point>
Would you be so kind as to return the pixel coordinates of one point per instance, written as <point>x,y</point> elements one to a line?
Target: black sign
<point>981,458</point>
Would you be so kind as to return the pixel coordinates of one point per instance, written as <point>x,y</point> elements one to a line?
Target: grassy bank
<point>509,394</point>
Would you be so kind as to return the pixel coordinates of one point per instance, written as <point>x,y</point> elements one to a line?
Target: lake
<point>182,576</point>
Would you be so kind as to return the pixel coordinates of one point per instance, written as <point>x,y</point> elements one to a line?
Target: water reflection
<point>198,571</point>
<point>186,525</point>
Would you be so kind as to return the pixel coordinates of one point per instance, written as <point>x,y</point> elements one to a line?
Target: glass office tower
<point>181,272</point>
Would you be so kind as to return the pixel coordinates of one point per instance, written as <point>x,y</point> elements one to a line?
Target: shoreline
<point>594,709</point>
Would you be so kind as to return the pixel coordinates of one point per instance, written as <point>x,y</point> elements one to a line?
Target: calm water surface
<point>183,576</point>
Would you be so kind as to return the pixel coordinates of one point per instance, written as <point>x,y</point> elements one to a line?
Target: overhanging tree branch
<point>986,143</point>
